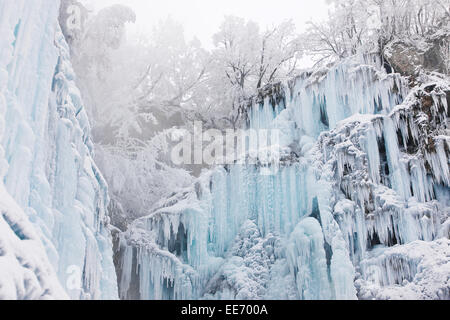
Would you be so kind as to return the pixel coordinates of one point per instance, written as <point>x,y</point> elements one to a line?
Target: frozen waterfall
<point>54,241</point>
<point>365,174</point>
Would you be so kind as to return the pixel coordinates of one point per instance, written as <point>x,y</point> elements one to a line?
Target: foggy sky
<point>202,18</point>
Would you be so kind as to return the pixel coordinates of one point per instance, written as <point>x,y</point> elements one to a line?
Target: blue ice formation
<point>55,192</point>
<point>348,185</point>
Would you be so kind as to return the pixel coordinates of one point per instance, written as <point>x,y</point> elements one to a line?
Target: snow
<point>416,271</point>
<point>26,271</point>
<point>53,196</point>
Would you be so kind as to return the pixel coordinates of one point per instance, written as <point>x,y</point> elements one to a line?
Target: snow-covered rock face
<point>54,241</point>
<point>367,183</point>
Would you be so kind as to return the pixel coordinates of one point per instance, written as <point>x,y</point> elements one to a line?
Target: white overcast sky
<point>202,18</point>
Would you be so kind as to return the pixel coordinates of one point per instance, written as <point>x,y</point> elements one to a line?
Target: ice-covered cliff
<point>54,239</point>
<point>358,209</point>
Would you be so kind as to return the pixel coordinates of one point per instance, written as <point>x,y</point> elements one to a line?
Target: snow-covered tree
<point>369,25</point>
<point>246,58</point>
<point>173,74</point>
<point>104,32</point>
<point>251,58</point>
<point>92,56</point>
<point>136,101</point>
<point>139,174</point>
<point>73,17</point>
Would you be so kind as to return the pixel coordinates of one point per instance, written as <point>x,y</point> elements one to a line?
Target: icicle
<point>399,174</point>
<point>341,196</point>
<point>307,261</point>
<point>373,154</point>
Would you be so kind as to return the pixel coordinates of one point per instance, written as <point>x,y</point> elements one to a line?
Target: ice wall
<point>47,166</point>
<point>364,170</point>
